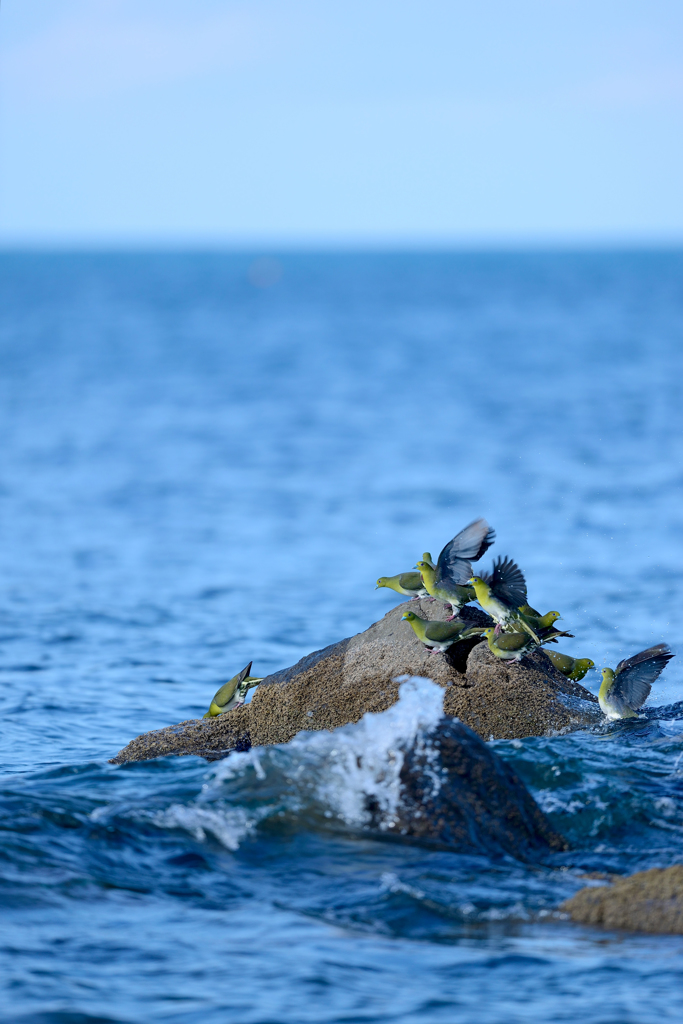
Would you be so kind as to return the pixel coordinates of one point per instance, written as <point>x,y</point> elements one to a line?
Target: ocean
<point>209,458</point>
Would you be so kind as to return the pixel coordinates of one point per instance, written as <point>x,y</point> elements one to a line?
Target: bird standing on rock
<point>572,668</point>
<point>514,646</point>
<point>409,584</point>
<point>233,693</point>
<point>439,636</point>
<point>501,593</point>
<point>624,690</point>
<point>448,580</point>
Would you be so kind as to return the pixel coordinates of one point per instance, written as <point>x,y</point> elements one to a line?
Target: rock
<point>339,684</point>
<point>649,901</point>
<point>457,792</point>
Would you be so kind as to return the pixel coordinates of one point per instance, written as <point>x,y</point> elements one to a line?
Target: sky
<point>341,122</point>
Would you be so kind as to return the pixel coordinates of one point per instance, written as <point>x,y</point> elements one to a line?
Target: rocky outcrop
<point>650,901</point>
<point>339,684</point>
<point>458,793</point>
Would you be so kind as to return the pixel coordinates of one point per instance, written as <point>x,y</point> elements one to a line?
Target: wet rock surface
<point>339,684</point>
<point>457,792</point>
<point>650,901</point>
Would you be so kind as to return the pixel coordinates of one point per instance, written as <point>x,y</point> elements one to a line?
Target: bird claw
<point>450,618</point>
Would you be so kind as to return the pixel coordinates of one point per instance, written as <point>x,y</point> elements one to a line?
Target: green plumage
<point>409,584</point>
<point>624,690</point>
<point>515,646</point>
<point>233,693</point>
<point>447,581</point>
<point>440,635</point>
<point>501,593</point>
<point>572,668</point>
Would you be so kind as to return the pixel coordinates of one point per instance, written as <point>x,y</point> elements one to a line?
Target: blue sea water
<point>209,458</point>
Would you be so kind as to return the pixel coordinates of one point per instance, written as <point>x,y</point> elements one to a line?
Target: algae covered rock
<point>342,682</point>
<point>649,901</point>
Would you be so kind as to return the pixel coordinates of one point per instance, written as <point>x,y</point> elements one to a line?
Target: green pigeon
<point>536,621</point>
<point>409,584</point>
<point>572,668</point>
<point>514,646</point>
<point>439,636</point>
<point>233,693</point>
<point>447,581</point>
<point>501,593</point>
<point>624,690</point>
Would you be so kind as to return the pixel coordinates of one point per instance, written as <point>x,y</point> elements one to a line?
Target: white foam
<point>228,825</point>
<point>362,762</point>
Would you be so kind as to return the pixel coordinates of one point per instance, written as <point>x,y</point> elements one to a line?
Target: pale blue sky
<point>358,121</point>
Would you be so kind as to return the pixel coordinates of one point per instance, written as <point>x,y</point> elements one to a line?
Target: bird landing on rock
<point>625,689</point>
<point>448,580</point>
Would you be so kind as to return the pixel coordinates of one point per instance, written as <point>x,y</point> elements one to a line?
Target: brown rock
<point>650,901</point>
<point>342,682</point>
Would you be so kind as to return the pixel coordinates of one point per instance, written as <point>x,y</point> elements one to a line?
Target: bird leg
<point>445,608</point>
<point>498,629</point>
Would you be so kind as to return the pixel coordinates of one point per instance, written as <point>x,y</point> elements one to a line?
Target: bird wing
<point>633,677</point>
<point>507,582</point>
<point>440,631</point>
<point>467,546</point>
<point>410,580</point>
<point>511,641</point>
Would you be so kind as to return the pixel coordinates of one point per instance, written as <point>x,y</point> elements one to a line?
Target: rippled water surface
<point>207,459</point>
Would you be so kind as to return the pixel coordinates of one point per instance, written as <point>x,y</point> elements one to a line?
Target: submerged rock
<point>457,792</point>
<point>649,901</point>
<point>339,684</point>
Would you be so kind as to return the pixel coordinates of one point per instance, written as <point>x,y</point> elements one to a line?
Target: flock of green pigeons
<point>519,629</point>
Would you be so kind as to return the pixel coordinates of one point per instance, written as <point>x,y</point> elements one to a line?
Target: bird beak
<point>376,588</point>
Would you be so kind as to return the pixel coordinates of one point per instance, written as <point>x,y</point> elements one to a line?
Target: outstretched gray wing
<point>633,677</point>
<point>467,546</point>
<point>507,582</point>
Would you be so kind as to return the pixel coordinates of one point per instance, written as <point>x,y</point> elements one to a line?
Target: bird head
<point>585,663</point>
<point>489,633</point>
<point>554,616</point>
<point>422,565</point>
<point>381,582</point>
<point>409,616</point>
<point>473,580</point>
<point>607,675</point>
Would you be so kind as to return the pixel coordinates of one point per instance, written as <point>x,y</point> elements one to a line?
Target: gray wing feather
<point>507,582</point>
<point>633,677</point>
<point>467,546</point>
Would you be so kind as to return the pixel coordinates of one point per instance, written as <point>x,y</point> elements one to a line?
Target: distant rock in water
<point>340,683</point>
<point>649,901</point>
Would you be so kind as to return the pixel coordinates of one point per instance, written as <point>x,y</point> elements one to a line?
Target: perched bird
<point>572,668</point>
<point>407,583</point>
<point>536,621</point>
<point>514,646</point>
<point>439,636</point>
<point>447,581</point>
<point>624,690</point>
<point>501,593</point>
<point>233,693</point>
